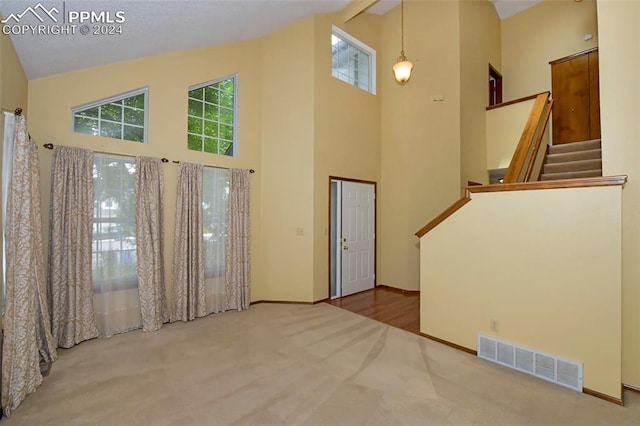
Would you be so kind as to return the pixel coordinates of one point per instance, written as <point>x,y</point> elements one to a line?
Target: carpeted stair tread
<point>573,166</point>
<point>563,157</point>
<point>572,175</point>
<point>575,146</point>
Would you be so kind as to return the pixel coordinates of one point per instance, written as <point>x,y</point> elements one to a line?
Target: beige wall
<point>420,157</point>
<point>504,128</point>
<point>13,82</point>
<point>547,31</point>
<point>322,127</point>
<point>479,47</point>
<point>13,93</point>
<point>287,74</point>
<point>552,285</point>
<point>295,132</point>
<point>168,78</point>
<point>346,131</point>
<point>619,26</point>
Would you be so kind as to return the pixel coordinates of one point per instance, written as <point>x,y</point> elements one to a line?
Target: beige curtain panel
<point>70,238</point>
<point>150,243</point>
<point>188,266</point>
<point>27,336</point>
<point>237,277</point>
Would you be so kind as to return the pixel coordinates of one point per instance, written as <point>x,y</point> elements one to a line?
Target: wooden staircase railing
<point>525,163</point>
<point>524,166</point>
<point>522,186</point>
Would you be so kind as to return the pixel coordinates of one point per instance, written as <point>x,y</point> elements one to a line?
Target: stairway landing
<point>573,160</point>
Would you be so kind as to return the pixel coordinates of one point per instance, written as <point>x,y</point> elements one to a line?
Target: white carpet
<point>296,365</point>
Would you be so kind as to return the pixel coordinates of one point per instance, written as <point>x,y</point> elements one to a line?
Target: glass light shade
<point>402,70</point>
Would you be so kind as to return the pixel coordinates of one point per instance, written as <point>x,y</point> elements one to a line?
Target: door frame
<point>593,94</point>
<point>497,77</point>
<point>329,230</point>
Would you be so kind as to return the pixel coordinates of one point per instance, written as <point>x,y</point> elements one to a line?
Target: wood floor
<point>398,308</point>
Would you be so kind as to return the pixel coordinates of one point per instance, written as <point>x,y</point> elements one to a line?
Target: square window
<point>353,61</point>
<point>211,129</point>
<point>226,115</point>
<point>134,116</point>
<point>196,93</point>
<point>225,146</point>
<point>212,94</point>
<point>211,112</point>
<point>111,130</point>
<point>226,132</point>
<point>91,112</point>
<point>211,145</point>
<point>195,108</point>
<point>194,142</point>
<point>111,112</point>
<point>135,101</point>
<point>195,125</point>
<point>85,125</point>
<point>135,134</point>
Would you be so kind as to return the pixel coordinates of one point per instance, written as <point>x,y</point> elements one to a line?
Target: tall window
<point>353,61</point>
<point>7,156</point>
<point>215,183</point>
<point>114,272</point>
<point>121,117</point>
<point>212,117</point>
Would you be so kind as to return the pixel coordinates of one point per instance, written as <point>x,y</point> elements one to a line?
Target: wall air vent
<point>557,370</point>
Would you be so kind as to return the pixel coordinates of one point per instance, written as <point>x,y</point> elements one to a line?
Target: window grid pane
<point>122,118</point>
<point>350,63</point>
<point>211,118</point>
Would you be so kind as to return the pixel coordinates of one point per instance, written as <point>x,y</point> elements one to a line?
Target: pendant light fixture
<point>402,68</point>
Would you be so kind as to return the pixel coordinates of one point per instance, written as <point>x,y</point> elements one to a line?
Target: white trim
<point>236,114</point>
<point>210,82</point>
<point>362,46</point>
<point>338,232</point>
<point>144,91</point>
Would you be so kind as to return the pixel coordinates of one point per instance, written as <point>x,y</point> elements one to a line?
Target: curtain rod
<point>164,160</point>
<point>17,111</point>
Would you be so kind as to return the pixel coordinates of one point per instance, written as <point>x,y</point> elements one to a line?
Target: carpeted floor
<point>296,365</point>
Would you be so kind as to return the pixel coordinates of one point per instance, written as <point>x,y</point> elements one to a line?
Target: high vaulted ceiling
<point>152,27</point>
<point>507,8</point>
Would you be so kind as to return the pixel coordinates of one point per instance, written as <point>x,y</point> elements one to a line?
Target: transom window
<point>212,117</point>
<point>120,117</point>
<point>352,61</point>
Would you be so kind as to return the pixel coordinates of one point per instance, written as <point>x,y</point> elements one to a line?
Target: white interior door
<point>358,237</point>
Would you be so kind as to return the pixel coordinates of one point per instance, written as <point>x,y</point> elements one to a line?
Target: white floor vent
<point>548,367</point>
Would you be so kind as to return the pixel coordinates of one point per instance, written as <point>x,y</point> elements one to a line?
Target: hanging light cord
<point>402,26</point>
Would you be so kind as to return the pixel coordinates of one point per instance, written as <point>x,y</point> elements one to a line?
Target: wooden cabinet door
<point>576,108</point>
